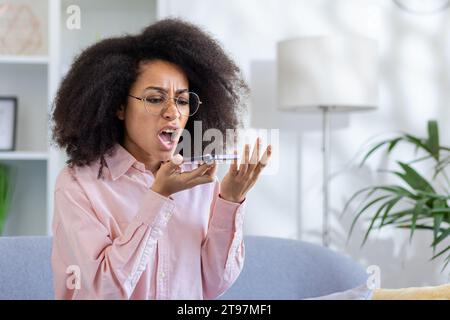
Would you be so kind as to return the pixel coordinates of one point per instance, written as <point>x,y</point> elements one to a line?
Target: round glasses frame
<point>167,103</point>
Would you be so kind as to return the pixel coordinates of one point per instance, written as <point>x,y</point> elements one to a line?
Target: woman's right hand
<point>169,179</point>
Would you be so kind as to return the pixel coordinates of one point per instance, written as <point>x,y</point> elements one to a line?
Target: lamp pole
<point>326,131</point>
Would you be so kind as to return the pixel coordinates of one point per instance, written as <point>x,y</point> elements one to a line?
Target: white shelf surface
<point>23,155</point>
<point>16,59</point>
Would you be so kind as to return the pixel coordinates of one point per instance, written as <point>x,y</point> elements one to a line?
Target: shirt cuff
<point>227,214</point>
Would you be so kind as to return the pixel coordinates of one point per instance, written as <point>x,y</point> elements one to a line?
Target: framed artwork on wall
<point>8,121</point>
<point>23,27</point>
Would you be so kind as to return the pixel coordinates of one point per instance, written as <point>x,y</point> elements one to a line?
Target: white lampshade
<point>334,71</point>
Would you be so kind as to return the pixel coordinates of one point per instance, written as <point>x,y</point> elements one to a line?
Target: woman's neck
<point>140,155</point>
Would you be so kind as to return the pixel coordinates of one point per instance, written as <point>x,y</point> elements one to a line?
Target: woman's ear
<point>121,113</point>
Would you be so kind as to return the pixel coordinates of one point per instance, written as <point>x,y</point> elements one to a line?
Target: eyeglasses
<point>156,102</point>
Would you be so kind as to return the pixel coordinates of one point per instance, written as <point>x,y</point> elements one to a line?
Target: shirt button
<point>162,275</point>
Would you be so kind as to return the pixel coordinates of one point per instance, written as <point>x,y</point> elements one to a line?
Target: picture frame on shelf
<point>8,123</point>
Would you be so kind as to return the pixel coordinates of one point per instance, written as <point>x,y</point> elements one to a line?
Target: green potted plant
<point>415,203</point>
<point>6,190</point>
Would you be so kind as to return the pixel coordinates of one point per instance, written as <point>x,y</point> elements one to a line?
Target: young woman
<point>129,223</point>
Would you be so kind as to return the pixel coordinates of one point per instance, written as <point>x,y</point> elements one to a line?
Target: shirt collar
<point>120,161</point>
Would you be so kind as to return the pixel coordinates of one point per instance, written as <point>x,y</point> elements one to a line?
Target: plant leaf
<point>366,236</point>
<point>433,139</point>
<point>432,195</point>
<point>419,143</point>
<point>417,210</point>
<point>447,260</point>
<point>420,159</point>
<point>353,197</point>
<point>393,143</point>
<point>440,253</point>
<point>6,190</point>
<point>442,236</point>
<point>392,203</point>
<point>438,211</point>
<point>397,190</point>
<point>364,209</point>
<point>393,217</point>
<point>371,151</point>
<point>441,165</point>
<point>414,179</point>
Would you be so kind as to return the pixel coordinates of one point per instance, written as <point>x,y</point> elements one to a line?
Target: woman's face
<point>159,80</point>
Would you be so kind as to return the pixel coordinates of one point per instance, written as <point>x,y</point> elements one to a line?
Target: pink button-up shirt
<point>114,238</point>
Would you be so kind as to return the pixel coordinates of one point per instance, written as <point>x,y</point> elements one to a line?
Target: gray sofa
<point>274,268</point>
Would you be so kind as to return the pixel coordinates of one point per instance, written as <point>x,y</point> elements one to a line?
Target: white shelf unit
<point>35,80</point>
<point>32,80</point>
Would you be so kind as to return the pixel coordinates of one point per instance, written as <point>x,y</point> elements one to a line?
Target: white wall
<point>414,82</point>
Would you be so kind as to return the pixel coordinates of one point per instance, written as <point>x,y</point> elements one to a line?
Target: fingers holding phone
<point>169,179</point>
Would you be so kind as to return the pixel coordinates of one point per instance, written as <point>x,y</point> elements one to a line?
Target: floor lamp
<point>327,74</point>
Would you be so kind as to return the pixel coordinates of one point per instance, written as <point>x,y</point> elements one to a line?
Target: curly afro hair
<point>84,120</point>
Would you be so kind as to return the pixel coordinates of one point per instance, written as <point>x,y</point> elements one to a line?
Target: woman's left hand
<point>238,181</point>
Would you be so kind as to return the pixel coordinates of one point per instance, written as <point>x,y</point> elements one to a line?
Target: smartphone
<point>209,158</point>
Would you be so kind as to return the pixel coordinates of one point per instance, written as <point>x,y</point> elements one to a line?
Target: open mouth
<point>168,138</point>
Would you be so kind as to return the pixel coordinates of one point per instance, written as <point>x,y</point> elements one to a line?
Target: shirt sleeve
<point>109,268</point>
<point>223,249</point>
